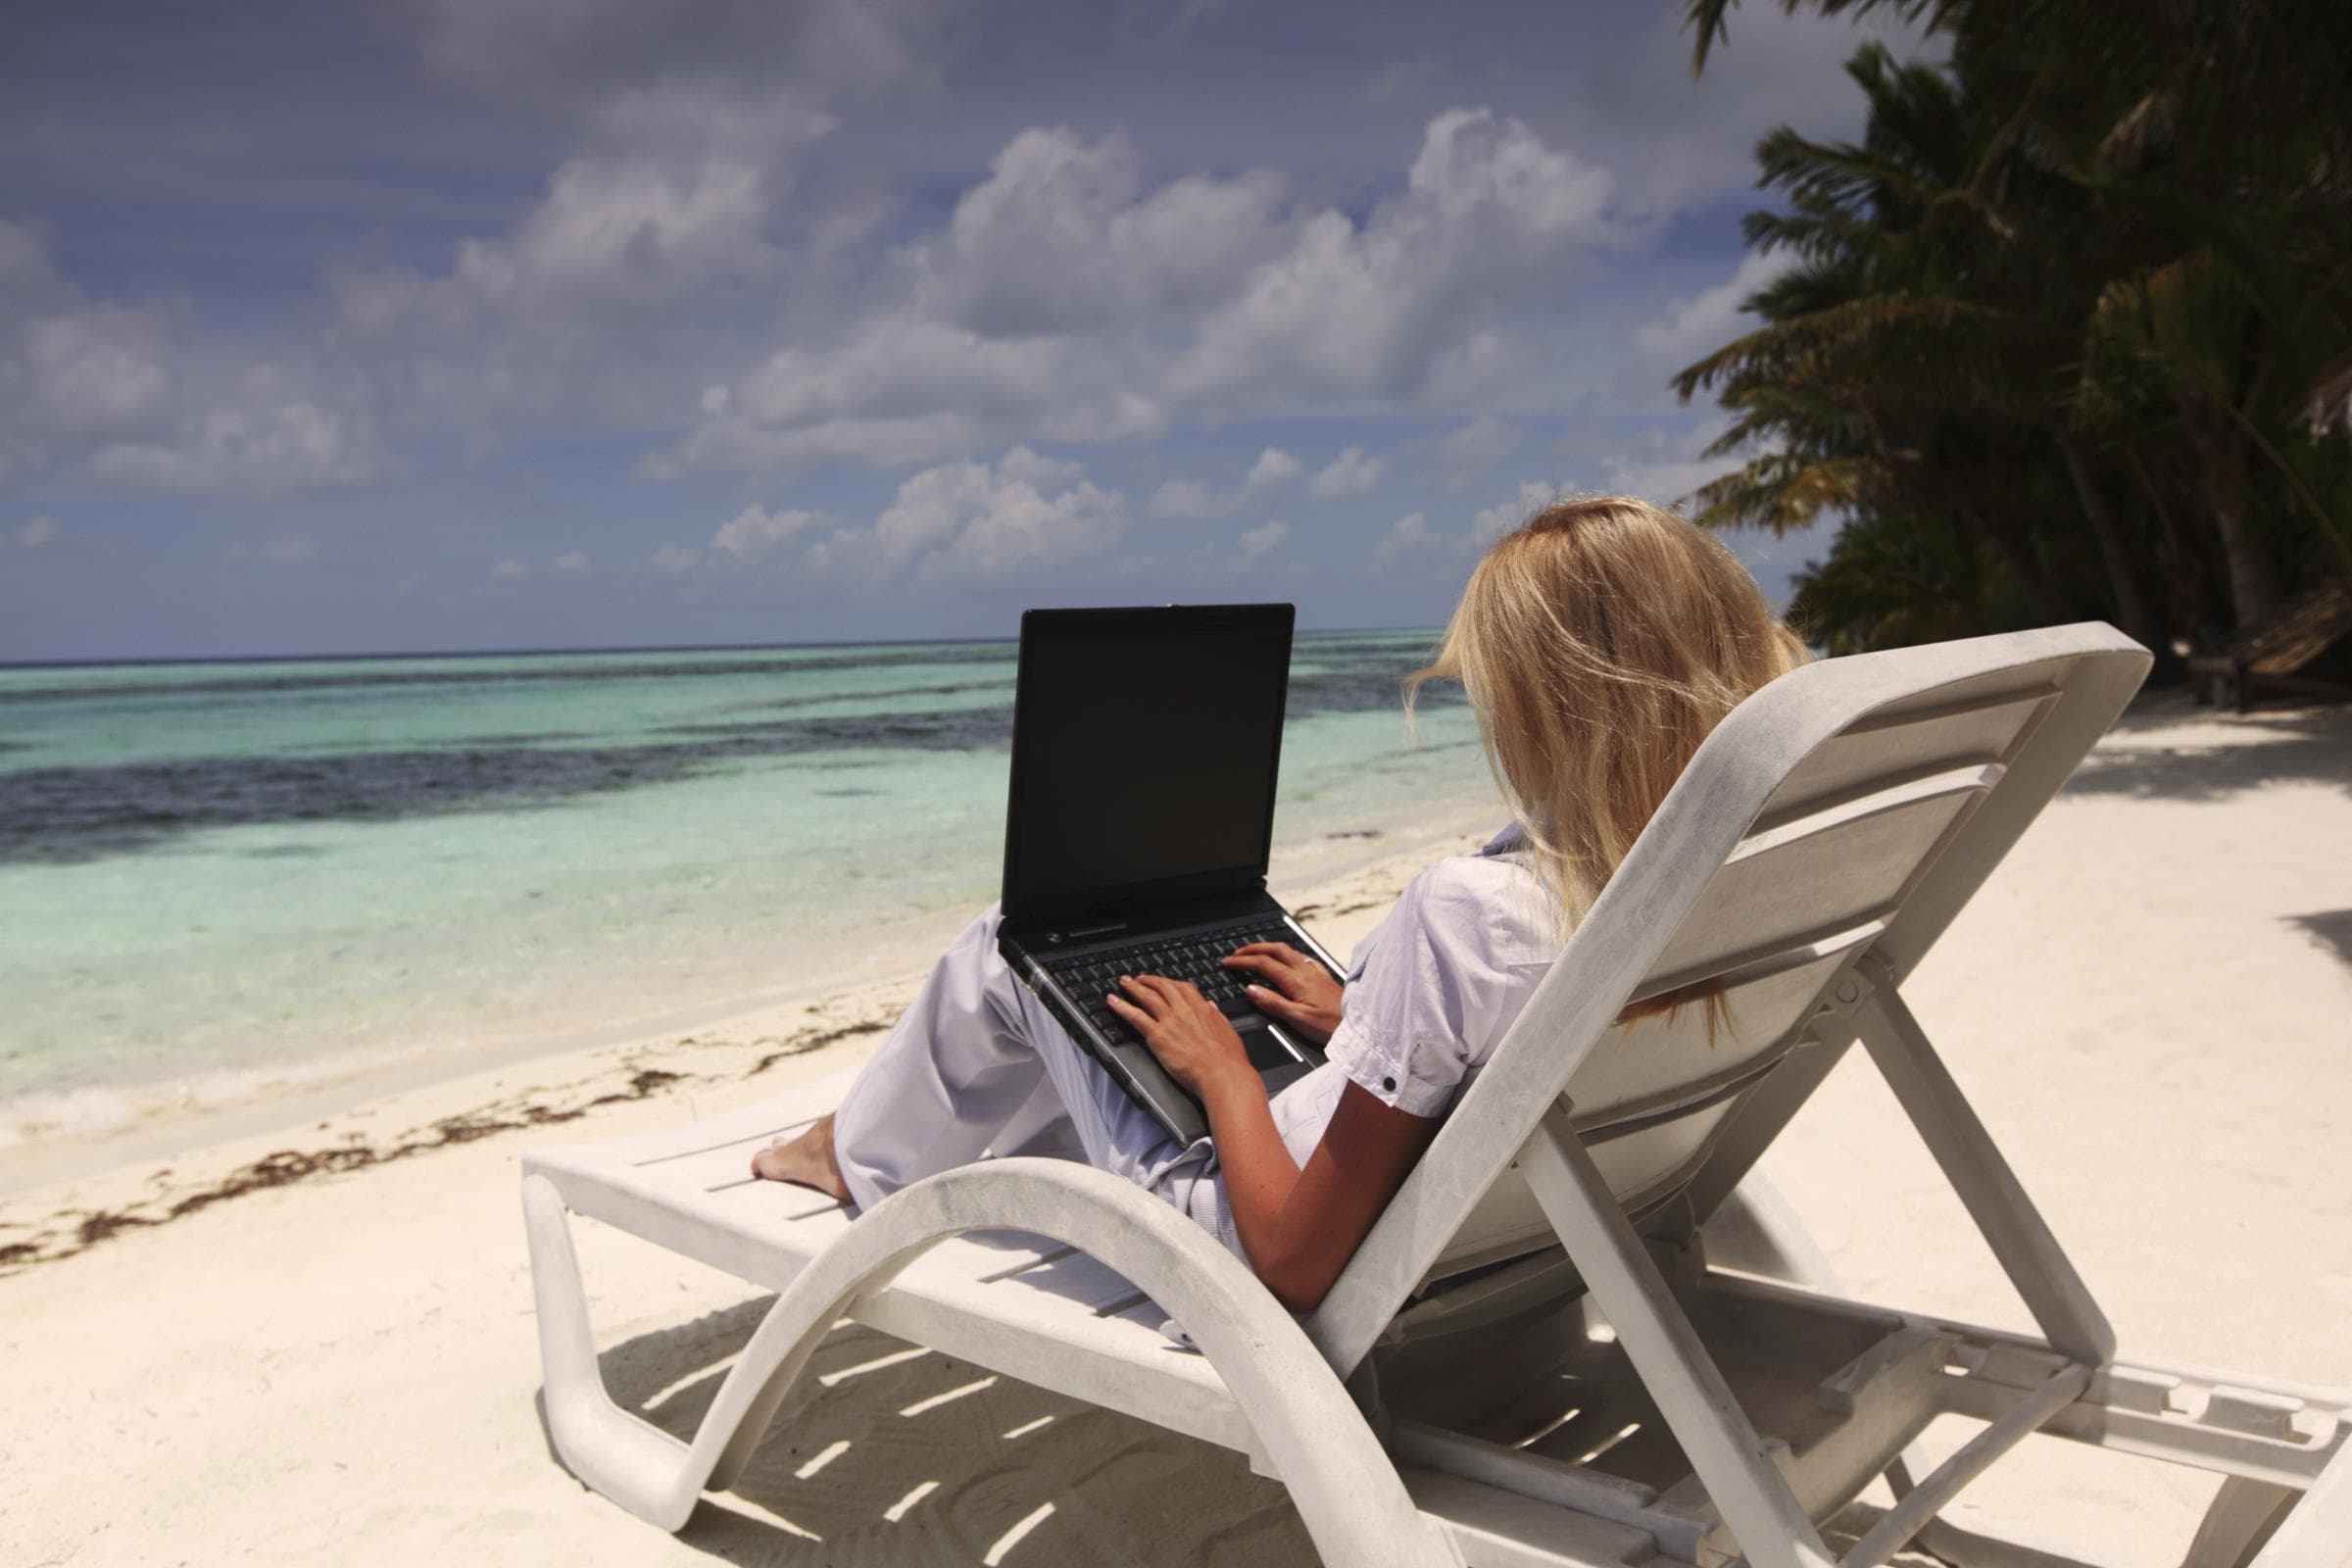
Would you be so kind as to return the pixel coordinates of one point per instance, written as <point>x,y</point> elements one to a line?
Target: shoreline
<point>48,1137</point>
<point>61,1196</point>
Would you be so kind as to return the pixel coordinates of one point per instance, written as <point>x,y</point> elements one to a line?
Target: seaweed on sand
<point>74,1231</point>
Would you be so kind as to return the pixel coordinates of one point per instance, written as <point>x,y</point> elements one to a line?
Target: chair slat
<point>1643,1066</point>
<point>1820,874</point>
<point>1908,743</point>
<point>1079,1279</point>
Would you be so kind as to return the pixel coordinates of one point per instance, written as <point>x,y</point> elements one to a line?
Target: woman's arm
<point>1298,1227</point>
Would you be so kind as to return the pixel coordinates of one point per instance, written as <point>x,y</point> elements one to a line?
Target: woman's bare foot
<point>807,1160</point>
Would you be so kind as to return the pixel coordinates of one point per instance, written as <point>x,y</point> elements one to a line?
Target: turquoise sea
<point>213,876</point>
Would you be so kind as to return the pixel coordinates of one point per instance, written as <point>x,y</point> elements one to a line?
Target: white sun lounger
<point>1577,1236</point>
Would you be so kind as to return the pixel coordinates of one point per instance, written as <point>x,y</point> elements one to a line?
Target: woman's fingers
<point>1262,963</point>
<point>1182,994</point>
<point>1279,954</point>
<point>1268,999</point>
<point>1156,994</point>
<point>1285,967</point>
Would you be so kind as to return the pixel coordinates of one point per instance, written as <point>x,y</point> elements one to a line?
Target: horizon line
<point>380,655</point>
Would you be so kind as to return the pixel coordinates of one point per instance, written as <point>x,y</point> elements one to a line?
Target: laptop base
<point>1042,952</point>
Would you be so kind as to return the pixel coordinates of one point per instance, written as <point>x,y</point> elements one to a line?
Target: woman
<point>1599,644</point>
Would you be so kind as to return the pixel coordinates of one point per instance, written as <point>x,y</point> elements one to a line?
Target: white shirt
<point>1431,990</point>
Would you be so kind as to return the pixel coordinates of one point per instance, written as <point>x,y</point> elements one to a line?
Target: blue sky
<point>441,324</point>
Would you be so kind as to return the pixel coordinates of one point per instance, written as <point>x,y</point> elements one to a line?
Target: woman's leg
<point>965,1071</point>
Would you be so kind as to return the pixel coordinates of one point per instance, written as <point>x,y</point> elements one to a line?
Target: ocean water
<point>213,874</point>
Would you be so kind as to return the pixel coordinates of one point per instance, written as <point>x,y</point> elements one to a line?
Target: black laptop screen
<point>1145,748</point>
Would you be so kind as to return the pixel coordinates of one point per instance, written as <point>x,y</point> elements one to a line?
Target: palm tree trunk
<point>2254,592</point>
<point>2132,610</point>
<point>2188,585</point>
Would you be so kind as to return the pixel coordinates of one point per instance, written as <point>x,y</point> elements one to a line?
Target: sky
<point>431,326</point>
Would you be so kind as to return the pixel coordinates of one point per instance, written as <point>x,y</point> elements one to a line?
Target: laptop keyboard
<point>1197,956</point>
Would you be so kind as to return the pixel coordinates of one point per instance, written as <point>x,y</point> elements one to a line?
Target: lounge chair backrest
<point>1843,813</point>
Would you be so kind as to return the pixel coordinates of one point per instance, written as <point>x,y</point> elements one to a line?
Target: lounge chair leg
<point>2014,1228</point>
<point>1698,1406</point>
<point>2241,1519</point>
<point>599,1441</point>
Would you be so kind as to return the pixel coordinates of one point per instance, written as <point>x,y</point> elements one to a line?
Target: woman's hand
<point>1184,1029</point>
<point>1300,991</point>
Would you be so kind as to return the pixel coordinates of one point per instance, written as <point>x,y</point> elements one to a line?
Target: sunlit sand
<point>316,1342</point>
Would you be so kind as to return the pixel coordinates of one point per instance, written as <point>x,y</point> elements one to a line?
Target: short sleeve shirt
<point>1432,988</point>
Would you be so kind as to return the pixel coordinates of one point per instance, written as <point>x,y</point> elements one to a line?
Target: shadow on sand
<point>2302,746</point>
<point>886,1452</point>
<point>2332,929</point>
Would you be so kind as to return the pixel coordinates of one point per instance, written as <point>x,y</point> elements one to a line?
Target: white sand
<point>2151,1004</point>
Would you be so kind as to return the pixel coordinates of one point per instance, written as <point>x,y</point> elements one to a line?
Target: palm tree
<point>2095,262</point>
<point>1913,356</point>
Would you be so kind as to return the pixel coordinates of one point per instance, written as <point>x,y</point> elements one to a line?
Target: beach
<point>231,888</point>
<point>314,1339</point>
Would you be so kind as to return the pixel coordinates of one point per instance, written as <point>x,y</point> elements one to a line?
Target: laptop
<point>1145,749</point>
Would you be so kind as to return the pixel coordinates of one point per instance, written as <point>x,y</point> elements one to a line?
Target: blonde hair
<point>1598,643</point>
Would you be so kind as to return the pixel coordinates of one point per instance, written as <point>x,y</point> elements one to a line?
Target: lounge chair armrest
<point>1305,1425</point>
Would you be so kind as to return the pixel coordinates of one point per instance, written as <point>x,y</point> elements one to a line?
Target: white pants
<point>978,1066</point>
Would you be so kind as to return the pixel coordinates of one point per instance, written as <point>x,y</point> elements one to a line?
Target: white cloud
<point>1412,537</point>
<point>508,570</point>
<point>38,534</point>
<point>272,435</point>
<point>671,559</point>
<point>1472,449</point>
<point>1063,236</point>
<point>1035,468</point>
<point>627,286</point>
<point>97,369</point>
<point>973,521</point>
<point>1257,541</point>
<point>1663,468</point>
<point>72,368</point>
<point>1351,474</point>
<point>1697,325</point>
<point>1408,536</point>
<point>752,531</point>
<point>571,561</point>
<point>1191,499</point>
<point>1069,299</point>
<point>1492,522</point>
<point>1197,500</point>
<point>1273,469</point>
<point>143,402</point>
<point>602,304</point>
<point>902,390</point>
<point>1486,222</point>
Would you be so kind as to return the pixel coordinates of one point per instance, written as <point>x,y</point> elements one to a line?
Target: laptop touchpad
<point>1266,1051</point>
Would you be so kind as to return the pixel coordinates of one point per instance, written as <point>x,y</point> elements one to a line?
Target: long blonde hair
<point>1598,643</point>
